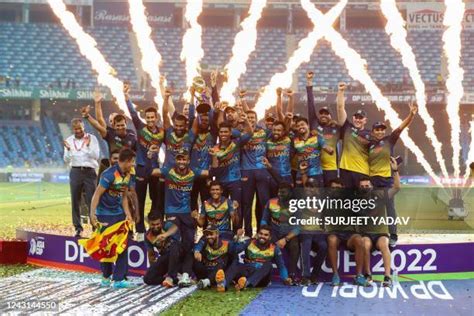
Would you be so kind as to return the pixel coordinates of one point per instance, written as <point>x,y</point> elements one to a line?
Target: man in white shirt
<point>81,153</point>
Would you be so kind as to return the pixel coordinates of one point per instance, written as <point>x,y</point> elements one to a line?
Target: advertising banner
<point>65,252</point>
<point>117,14</point>
<point>429,16</point>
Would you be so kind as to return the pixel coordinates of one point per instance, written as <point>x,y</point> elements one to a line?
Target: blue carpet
<point>407,298</point>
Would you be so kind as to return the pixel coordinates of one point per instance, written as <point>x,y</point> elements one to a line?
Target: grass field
<point>46,206</point>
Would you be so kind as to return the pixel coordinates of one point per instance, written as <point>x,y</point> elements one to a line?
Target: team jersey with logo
<point>355,148</point>
<point>200,157</point>
<point>279,153</point>
<point>145,139</point>
<point>380,152</point>
<point>178,190</point>
<point>229,159</point>
<point>254,150</point>
<point>173,144</point>
<point>309,150</point>
<point>331,137</point>
<point>218,214</point>
<point>152,243</point>
<point>116,142</point>
<point>213,256</point>
<point>115,182</point>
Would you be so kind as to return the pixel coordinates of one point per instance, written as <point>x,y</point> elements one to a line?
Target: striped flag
<point>107,243</point>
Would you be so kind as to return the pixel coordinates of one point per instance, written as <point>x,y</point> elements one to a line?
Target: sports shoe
<point>203,283</point>
<point>360,280</point>
<point>241,284</point>
<point>122,284</point>
<point>392,242</point>
<point>185,281</point>
<point>368,277</point>
<point>305,282</point>
<point>139,237</point>
<point>105,282</point>
<point>168,282</point>
<point>314,280</point>
<point>220,280</point>
<point>336,280</point>
<point>387,281</point>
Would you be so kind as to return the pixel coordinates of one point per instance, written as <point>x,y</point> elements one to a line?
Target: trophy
<point>199,86</point>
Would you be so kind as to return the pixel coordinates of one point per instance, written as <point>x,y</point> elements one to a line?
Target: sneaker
<point>387,281</point>
<point>336,280</point>
<point>392,242</point>
<point>105,282</point>
<point>185,281</point>
<point>168,282</point>
<point>368,277</point>
<point>122,284</point>
<point>204,283</point>
<point>360,280</point>
<point>241,284</point>
<point>220,280</point>
<point>305,282</point>
<point>139,237</point>
<point>314,280</point>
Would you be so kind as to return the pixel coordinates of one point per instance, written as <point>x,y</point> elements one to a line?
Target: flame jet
<point>453,17</point>
<point>395,28</point>
<point>356,67</point>
<point>88,48</point>
<point>301,55</point>
<point>151,58</point>
<point>244,44</point>
<point>192,51</point>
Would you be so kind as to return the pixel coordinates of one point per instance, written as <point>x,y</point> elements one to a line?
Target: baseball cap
<point>229,108</point>
<point>269,117</point>
<point>360,113</point>
<point>182,152</point>
<point>379,125</point>
<point>210,228</point>
<point>324,109</point>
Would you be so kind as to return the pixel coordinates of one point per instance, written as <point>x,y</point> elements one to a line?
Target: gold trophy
<point>199,86</point>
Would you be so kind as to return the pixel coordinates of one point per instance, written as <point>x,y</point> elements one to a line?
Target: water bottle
<point>395,276</point>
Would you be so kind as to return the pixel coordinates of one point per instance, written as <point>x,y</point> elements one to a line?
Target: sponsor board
<point>65,252</point>
<point>430,15</point>
<point>25,177</point>
<point>70,293</point>
<point>117,14</point>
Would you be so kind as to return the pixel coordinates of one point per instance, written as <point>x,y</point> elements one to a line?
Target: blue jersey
<point>309,150</point>
<point>162,246</point>
<point>279,155</point>
<point>174,143</point>
<point>255,150</point>
<point>178,190</point>
<point>115,182</point>
<point>145,138</point>
<point>229,159</point>
<point>200,157</point>
<point>218,214</point>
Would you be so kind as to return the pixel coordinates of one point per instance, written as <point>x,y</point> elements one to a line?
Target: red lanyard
<point>83,142</point>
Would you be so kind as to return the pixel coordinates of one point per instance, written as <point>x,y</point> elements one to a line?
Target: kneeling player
<point>166,239</point>
<point>256,270</point>
<point>211,255</point>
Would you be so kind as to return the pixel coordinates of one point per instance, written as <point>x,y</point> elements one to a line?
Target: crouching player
<point>109,206</point>
<point>256,269</point>
<point>211,255</point>
<point>346,234</point>
<point>219,211</point>
<point>165,238</point>
<point>375,237</point>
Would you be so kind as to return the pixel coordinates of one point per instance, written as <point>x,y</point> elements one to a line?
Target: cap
<point>269,117</point>
<point>324,109</point>
<point>182,152</point>
<point>360,113</point>
<point>379,125</point>
<point>229,108</point>
<point>210,228</point>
